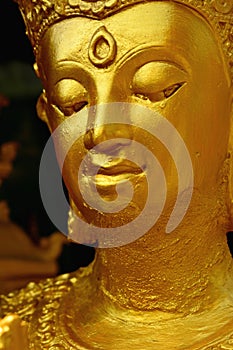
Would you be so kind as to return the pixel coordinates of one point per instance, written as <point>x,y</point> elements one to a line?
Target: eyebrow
<point>157,53</point>
<point>67,67</point>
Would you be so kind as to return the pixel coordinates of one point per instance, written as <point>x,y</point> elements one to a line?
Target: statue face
<point>159,55</point>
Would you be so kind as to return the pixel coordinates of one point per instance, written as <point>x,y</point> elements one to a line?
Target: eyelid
<point>70,110</point>
<point>160,95</point>
<point>69,96</point>
<point>157,76</point>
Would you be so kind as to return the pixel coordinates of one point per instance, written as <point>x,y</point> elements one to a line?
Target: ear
<point>41,108</point>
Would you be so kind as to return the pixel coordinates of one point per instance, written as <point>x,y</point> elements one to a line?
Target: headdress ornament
<point>39,15</point>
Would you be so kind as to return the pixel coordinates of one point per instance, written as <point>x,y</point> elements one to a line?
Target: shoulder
<point>25,301</point>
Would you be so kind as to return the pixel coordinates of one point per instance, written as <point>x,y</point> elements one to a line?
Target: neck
<point>182,272</point>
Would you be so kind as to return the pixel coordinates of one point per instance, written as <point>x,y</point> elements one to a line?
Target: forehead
<point>174,29</point>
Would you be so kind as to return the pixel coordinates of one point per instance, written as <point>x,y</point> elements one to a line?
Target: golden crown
<point>39,15</point>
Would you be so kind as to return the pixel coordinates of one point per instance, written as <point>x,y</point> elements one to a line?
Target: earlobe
<point>41,107</point>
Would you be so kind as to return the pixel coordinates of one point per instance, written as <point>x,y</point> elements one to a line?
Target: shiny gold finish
<point>162,291</point>
<point>13,333</point>
<point>102,49</point>
<point>39,16</point>
<point>70,313</point>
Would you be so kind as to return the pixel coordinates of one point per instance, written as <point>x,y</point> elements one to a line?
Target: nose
<point>108,119</point>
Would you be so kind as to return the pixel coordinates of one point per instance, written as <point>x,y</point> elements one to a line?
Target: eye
<point>160,95</point>
<point>69,110</point>
<point>171,90</point>
<point>156,81</point>
<point>69,97</point>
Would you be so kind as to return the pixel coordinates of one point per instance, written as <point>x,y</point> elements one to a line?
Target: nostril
<point>89,140</point>
<point>108,122</point>
<point>107,142</point>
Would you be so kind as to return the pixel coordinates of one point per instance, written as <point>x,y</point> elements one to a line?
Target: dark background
<point>19,122</point>
<point>14,43</point>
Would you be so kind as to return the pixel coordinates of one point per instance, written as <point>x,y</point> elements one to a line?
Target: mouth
<point>111,174</point>
<point>120,168</point>
<point>104,170</point>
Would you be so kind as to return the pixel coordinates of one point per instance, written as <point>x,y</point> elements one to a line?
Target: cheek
<point>210,122</point>
<point>203,121</point>
<point>71,167</point>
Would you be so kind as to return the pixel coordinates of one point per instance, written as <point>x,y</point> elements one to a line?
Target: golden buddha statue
<point>173,61</point>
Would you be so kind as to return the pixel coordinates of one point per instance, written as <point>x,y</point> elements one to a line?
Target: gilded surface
<point>40,15</point>
<point>161,291</point>
<point>49,307</point>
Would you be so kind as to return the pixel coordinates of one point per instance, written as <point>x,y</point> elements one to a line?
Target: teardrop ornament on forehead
<point>102,49</point>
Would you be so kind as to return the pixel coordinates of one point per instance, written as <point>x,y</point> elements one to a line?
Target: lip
<point>104,181</point>
<point>117,173</point>
<point>120,168</point>
<point>107,165</point>
<point>112,171</point>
